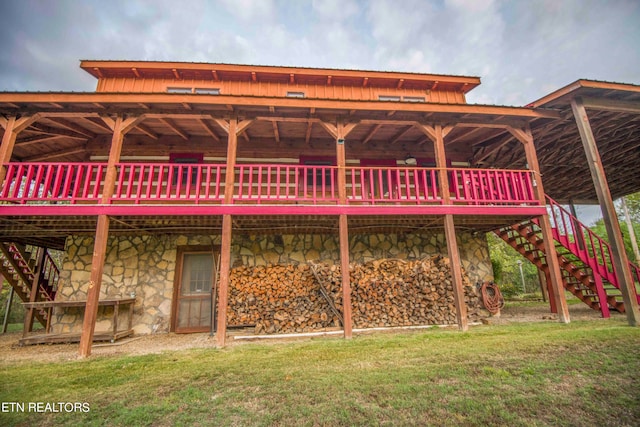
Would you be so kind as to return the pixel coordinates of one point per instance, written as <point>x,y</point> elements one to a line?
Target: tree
<point>633,205</point>
<point>506,269</point>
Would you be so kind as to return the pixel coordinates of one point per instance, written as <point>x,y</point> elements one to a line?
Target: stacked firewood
<point>277,299</point>
<point>394,292</point>
<point>385,292</point>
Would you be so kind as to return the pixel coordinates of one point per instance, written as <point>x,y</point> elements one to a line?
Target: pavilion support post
<point>620,260</point>
<point>556,290</point>
<point>35,285</point>
<point>120,127</point>
<point>223,285</point>
<point>227,225</point>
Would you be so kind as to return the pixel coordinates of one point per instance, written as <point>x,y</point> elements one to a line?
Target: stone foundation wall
<point>145,265</point>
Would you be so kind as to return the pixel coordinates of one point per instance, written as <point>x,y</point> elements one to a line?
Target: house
<point>170,174</point>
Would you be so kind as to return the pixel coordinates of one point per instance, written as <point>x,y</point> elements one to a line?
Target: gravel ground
<point>153,344</point>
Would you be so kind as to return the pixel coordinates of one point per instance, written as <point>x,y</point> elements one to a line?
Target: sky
<point>521,49</point>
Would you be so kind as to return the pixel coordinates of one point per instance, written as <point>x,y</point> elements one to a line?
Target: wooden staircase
<point>584,257</point>
<point>18,266</point>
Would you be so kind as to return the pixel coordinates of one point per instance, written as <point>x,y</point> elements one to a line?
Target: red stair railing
<point>585,244</point>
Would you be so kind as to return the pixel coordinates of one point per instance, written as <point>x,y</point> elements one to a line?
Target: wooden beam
<point>55,154</point>
<point>209,129</point>
<point>175,128</point>
<point>456,272</point>
<point>223,285</point>
<point>619,106</point>
<point>372,132</point>
<point>330,128</point>
<point>398,136</point>
<point>242,126</point>
<point>36,140</point>
<point>224,124</point>
<point>346,279</point>
<point>73,127</point>
<point>427,130</point>
<point>7,145</point>
<point>100,123</point>
<point>555,276</point>
<point>176,74</point>
<point>365,82</point>
<point>93,293</point>
<point>147,131</point>
<point>620,260</point>
<point>497,146</point>
<point>276,133</point>
<point>48,130</point>
<point>307,136</point>
<point>400,83</point>
<point>135,72</point>
<point>131,122</point>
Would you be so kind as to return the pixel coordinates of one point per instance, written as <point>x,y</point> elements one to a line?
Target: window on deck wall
<point>380,180</point>
<point>185,159</point>
<point>319,177</point>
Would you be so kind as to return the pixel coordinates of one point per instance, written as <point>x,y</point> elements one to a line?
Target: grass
<point>584,373</point>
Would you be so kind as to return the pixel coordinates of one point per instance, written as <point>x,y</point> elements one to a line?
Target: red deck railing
<point>142,183</point>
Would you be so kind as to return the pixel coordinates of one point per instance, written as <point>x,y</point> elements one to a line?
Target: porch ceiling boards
<point>70,128</point>
<point>51,231</point>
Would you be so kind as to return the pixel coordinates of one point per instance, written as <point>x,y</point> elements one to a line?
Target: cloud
<point>521,50</point>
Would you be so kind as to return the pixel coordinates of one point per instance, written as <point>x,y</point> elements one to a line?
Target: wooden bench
<point>111,335</point>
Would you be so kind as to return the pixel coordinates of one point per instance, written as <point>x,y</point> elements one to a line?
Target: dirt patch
<point>159,343</point>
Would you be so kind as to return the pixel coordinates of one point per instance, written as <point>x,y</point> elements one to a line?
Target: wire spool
<point>491,297</point>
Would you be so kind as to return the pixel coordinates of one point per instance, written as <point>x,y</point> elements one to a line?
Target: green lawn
<point>584,373</point>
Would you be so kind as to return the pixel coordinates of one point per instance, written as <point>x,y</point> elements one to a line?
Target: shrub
<point>509,290</point>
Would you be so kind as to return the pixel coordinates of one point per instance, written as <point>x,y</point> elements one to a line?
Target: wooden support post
<point>232,148</point>
<point>93,294</point>
<point>557,288</point>
<point>225,246</point>
<point>620,260</point>
<point>8,310</point>
<point>456,272</point>
<point>100,243</point>
<point>341,133</point>
<point>346,279</point>
<point>12,128</point>
<point>223,285</point>
<point>35,285</point>
<point>437,136</point>
<point>441,164</point>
